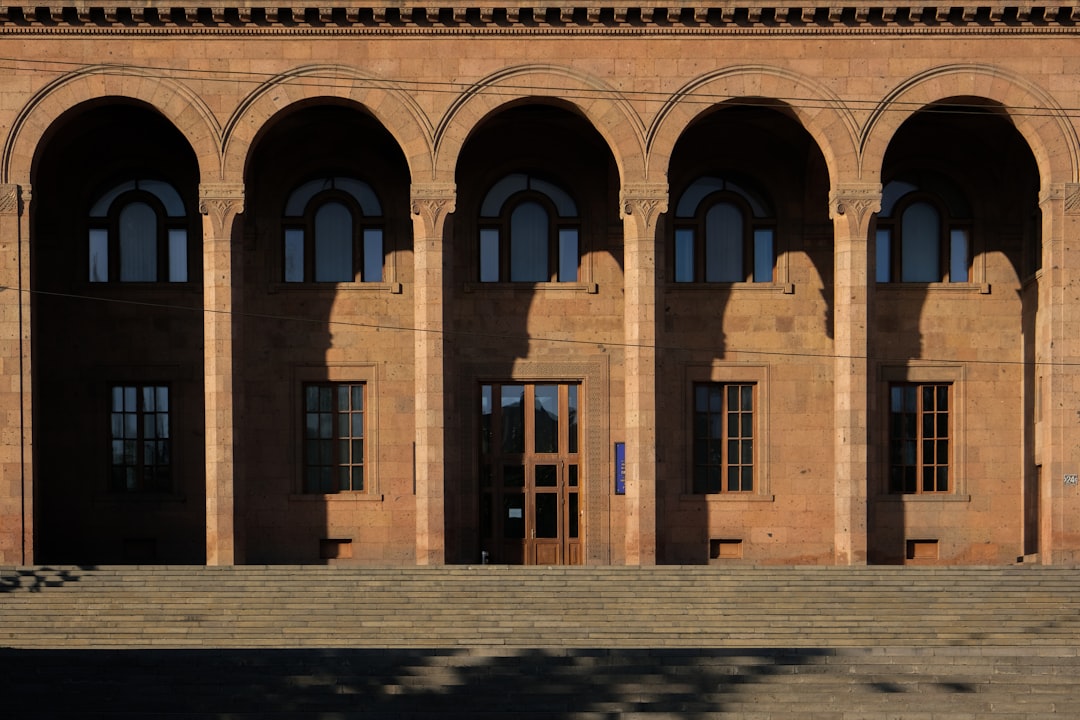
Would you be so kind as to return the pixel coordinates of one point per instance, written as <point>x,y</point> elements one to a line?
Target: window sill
<point>342,497</point>
<point>921,498</point>
<point>972,288</point>
<point>783,288</point>
<point>732,497</point>
<point>334,287</point>
<point>511,288</point>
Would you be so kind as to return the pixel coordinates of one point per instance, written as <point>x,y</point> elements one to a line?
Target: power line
<point>506,337</point>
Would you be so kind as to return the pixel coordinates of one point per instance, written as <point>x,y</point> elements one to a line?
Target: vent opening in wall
<point>335,549</point>
<point>725,549</point>
<point>922,549</point>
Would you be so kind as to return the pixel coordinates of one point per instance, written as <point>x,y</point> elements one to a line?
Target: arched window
<point>529,232</point>
<point>333,232</point>
<point>724,232</point>
<point>138,232</point>
<point>923,232</point>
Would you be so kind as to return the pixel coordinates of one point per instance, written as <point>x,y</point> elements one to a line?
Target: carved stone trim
<point>9,200</point>
<point>855,202</point>
<point>433,202</point>
<point>644,203</point>
<point>1072,198</point>
<point>222,202</point>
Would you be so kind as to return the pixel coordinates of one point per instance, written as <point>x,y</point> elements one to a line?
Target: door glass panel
<point>546,418</point>
<point>514,516</point>
<point>547,515</point>
<point>571,475</point>
<point>572,515</point>
<point>513,418</point>
<point>514,476</point>
<point>547,476</point>
<point>485,420</point>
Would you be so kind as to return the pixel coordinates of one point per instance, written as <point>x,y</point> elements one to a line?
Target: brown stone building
<point>542,283</point>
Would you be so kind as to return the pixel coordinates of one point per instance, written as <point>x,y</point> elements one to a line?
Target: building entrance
<point>530,473</point>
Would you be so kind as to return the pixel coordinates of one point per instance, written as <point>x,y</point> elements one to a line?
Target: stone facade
<point>835,144</point>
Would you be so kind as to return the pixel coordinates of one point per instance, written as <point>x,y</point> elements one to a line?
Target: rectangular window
<point>141,439</point>
<point>919,438</point>
<point>334,437</point>
<point>723,451</point>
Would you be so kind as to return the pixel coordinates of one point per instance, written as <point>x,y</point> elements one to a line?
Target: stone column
<point>16,438</point>
<point>1057,377</point>
<point>431,203</point>
<point>641,207</point>
<point>851,208</point>
<point>220,203</point>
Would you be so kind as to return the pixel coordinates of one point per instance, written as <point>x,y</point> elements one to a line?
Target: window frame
<point>305,223</point>
<point>952,375</point>
<point>336,413</point>
<point>729,374</point>
<point>350,374</point>
<point>141,488</point>
<point>730,192</point>
<point>119,198</point>
<point>948,224</point>
<point>927,403</point>
<point>502,224</point>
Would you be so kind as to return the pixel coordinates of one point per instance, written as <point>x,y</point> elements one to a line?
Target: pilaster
<point>16,437</point>
<point>851,208</point>
<point>641,207</point>
<point>431,204</point>
<point>220,203</point>
<point>1057,378</point>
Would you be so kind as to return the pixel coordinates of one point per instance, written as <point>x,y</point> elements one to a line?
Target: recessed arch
<point>391,106</point>
<point>816,108</point>
<point>97,84</point>
<point>601,105</point>
<point>1048,132</point>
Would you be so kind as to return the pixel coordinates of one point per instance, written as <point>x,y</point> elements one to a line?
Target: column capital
<point>13,198</point>
<point>432,202</point>
<point>643,201</point>
<point>1068,192</point>
<point>857,202</point>
<point>221,202</point>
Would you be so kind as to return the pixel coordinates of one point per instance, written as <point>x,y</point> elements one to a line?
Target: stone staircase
<point>896,643</point>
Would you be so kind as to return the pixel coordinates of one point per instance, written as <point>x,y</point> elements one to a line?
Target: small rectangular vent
<point>922,549</point>
<point>335,549</point>
<point>725,549</point>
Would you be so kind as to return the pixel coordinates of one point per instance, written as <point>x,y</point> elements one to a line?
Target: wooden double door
<point>530,473</point>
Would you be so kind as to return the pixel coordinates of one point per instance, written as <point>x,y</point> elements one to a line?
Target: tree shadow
<point>36,579</point>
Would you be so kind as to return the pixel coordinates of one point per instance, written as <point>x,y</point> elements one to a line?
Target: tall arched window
<point>333,232</point>
<point>923,232</point>
<point>138,232</point>
<point>724,232</point>
<point>529,232</point>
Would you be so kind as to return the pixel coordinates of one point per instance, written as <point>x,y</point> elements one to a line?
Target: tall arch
<point>824,115</point>
<point>178,103</point>
<point>602,105</point>
<point>395,109</point>
<point>1048,133</point>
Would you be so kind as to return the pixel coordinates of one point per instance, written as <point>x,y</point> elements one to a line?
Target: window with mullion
<point>723,234</point>
<point>723,438</point>
<point>919,438</point>
<point>919,240</point>
<point>529,231</point>
<point>141,439</point>
<point>138,233</point>
<point>333,233</point>
<point>334,438</point>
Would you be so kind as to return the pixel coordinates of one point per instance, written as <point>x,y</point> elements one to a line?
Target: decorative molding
<point>9,199</point>
<point>222,202</point>
<point>1072,198</point>
<point>855,202</point>
<point>645,203</point>
<point>432,202</point>
<point>336,16</point>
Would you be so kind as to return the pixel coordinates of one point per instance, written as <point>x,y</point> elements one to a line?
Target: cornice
<point>337,17</point>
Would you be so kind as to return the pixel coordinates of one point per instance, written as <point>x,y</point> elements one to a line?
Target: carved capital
<point>856,203</point>
<point>644,203</point>
<point>1072,198</point>
<point>9,199</point>
<point>222,202</point>
<point>432,202</point>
